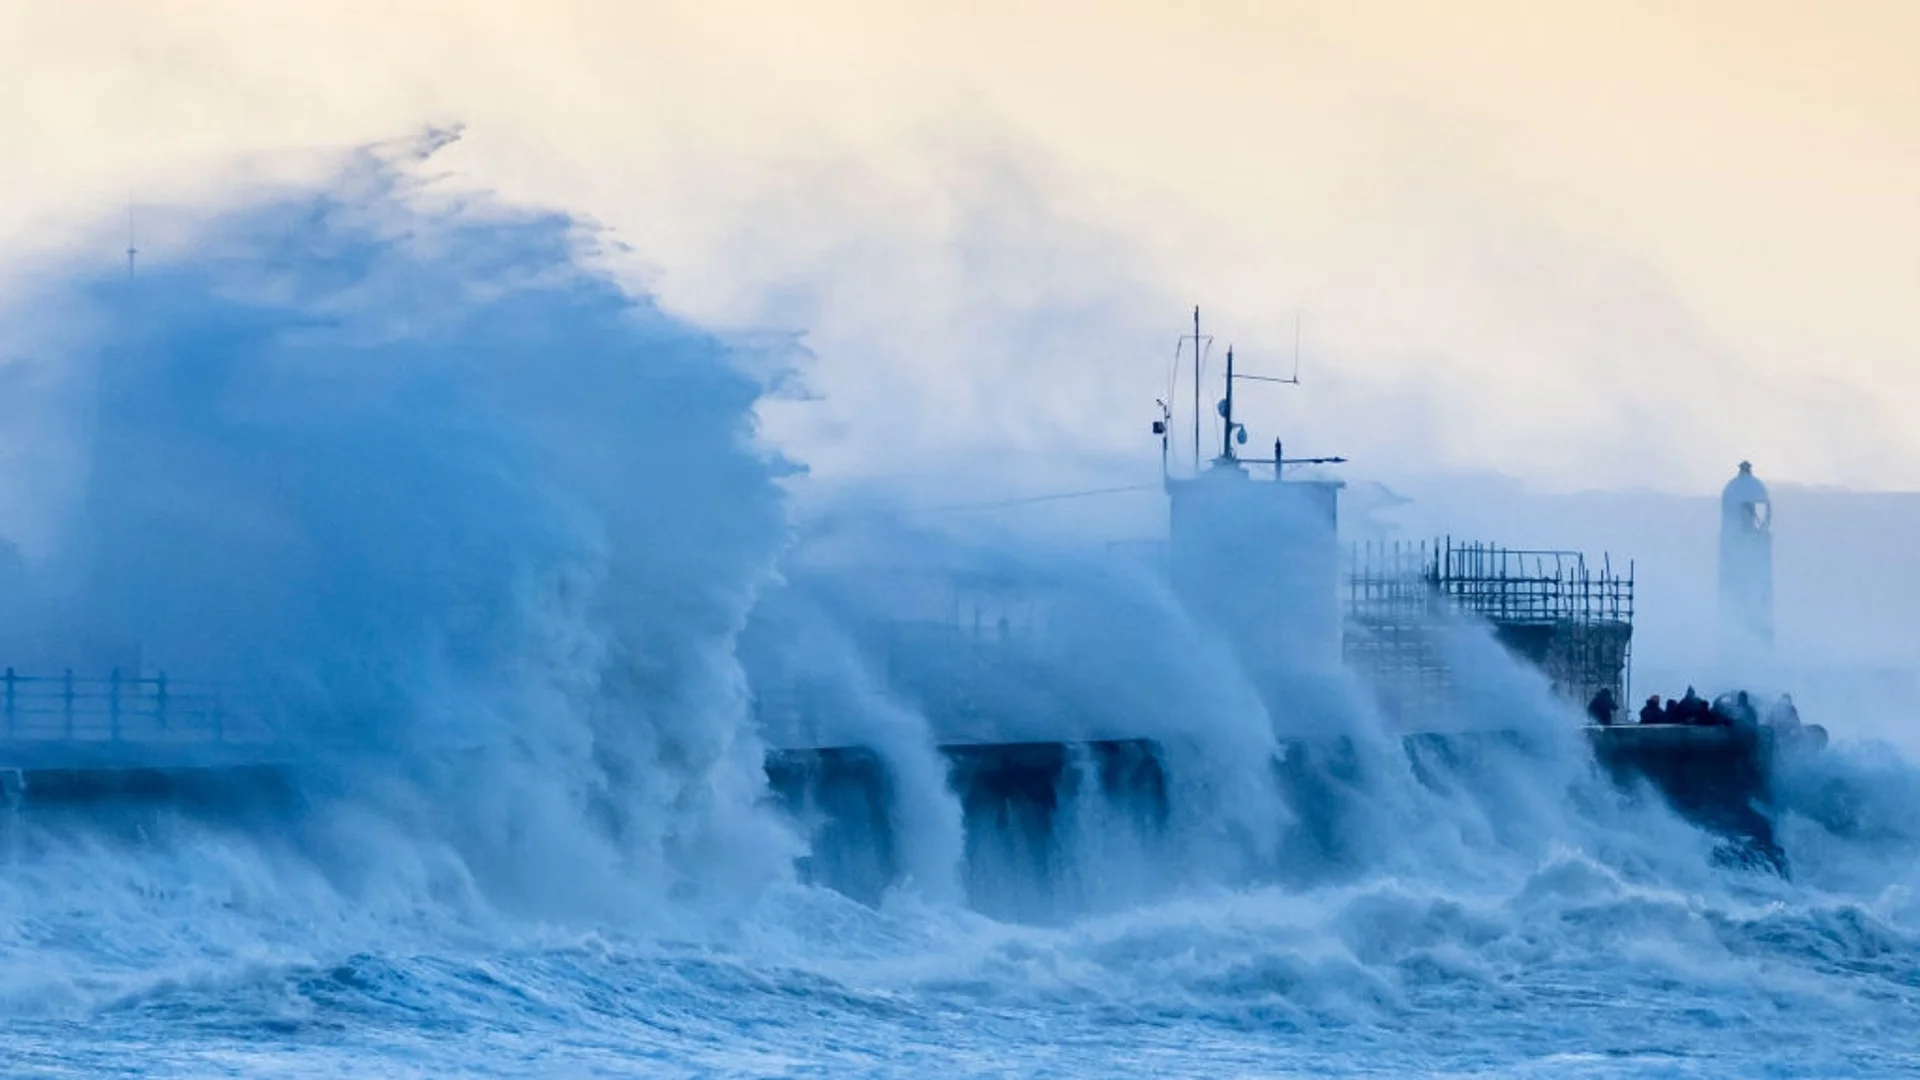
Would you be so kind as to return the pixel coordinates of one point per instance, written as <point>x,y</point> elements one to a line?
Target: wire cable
<point>1031,500</point>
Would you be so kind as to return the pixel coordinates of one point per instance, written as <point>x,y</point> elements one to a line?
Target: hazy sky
<point>1587,244</point>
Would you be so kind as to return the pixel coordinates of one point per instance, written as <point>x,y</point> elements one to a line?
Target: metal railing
<point>1571,619</point>
<point>120,707</point>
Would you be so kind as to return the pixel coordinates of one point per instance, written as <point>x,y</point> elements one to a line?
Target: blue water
<point>197,960</point>
<point>487,531</point>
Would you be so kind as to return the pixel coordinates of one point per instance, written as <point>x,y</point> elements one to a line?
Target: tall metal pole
<point>1226,416</point>
<point>1166,439</point>
<point>1196,388</point>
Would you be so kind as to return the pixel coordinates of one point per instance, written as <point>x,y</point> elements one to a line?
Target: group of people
<point>1735,710</point>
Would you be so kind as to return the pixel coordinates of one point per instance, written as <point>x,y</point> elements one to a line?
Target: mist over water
<point>448,506</point>
<point>493,543</point>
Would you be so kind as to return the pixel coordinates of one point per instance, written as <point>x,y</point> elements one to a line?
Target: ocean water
<point>498,545</point>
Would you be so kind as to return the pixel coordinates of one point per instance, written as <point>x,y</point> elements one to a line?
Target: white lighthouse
<point>1746,565</point>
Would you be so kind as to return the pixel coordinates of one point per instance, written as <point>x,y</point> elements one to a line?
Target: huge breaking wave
<point>491,537</point>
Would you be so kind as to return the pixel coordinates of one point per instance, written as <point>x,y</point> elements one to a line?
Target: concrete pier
<point>1012,794</point>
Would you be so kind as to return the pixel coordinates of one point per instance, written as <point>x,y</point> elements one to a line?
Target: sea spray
<point>476,527</point>
<point>817,687</point>
<point>488,530</point>
<point>990,637</point>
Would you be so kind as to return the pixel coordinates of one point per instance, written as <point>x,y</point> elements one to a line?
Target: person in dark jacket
<point>1603,706</point>
<point>1651,712</point>
<point>1725,711</point>
<point>1784,716</point>
<point>1693,709</point>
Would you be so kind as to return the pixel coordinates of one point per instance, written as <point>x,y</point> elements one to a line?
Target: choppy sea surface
<point>491,530</point>
<point>196,953</point>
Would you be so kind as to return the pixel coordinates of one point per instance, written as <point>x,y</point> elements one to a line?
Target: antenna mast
<point>1196,388</point>
<point>1231,430</point>
<point>1226,413</point>
<point>1280,461</point>
<point>1296,348</point>
<point>1162,427</point>
<point>131,249</point>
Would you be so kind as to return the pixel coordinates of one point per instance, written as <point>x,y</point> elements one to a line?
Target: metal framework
<point>64,708</point>
<point>1551,608</point>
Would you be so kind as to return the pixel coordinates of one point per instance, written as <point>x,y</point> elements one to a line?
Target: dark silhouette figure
<point>1723,710</point>
<point>1651,712</point>
<point>1784,716</point>
<point>1603,706</point>
<point>1693,709</point>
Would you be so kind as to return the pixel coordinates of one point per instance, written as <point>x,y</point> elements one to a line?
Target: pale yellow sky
<point>1589,244</point>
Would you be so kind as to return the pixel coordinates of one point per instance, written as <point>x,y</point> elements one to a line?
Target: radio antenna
<point>1200,343</point>
<point>1296,347</point>
<point>132,251</point>
<point>1196,388</point>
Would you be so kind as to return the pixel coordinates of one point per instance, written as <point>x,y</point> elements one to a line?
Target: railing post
<point>66,699</point>
<point>160,700</point>
<point>113,705</point>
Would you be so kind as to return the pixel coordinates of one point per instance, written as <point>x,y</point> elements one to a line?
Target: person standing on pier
<point>1603,706</point>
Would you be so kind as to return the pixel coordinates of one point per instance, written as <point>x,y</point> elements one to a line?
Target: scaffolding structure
<point>1570,619</point>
